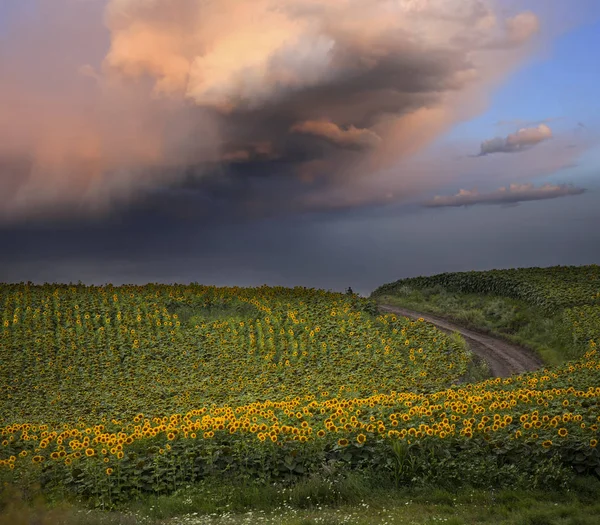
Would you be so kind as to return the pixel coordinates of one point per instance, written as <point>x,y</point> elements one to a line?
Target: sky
<point>326,144</point>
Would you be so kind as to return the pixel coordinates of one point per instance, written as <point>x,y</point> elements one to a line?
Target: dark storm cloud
<point>325,251</point>
<point>105,106</point>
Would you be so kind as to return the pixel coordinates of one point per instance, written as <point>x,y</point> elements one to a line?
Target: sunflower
<point>361,438</point>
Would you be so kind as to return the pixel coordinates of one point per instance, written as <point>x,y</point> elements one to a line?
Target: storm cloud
<point>108,100</point>
<point>514,194</point>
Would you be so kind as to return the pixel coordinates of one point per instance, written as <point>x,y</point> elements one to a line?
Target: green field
<point>77,353</point>
<point>112,395</point>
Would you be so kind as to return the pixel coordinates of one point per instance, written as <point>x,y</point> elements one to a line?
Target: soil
<point>504,359</point>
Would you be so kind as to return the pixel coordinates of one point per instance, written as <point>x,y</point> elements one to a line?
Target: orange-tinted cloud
<point>73,140</point>
<point>352,137</point>
<point>103,100</point>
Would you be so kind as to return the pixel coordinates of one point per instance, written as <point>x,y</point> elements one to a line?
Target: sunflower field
<point>110,393</point>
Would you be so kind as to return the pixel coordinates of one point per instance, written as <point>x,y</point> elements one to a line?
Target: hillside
<point>554,311</point>
<point>113,394</point>
<point>495,357</point>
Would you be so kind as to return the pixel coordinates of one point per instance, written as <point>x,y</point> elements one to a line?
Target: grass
<point>313,502</point>
<point>510,319</point>
<point>477,370</point>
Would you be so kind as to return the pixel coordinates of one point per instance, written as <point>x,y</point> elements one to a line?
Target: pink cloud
<point>352,137</point>
<point>103,100</point>
<point>520,140</point>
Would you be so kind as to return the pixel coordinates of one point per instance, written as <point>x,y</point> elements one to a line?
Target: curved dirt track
<point>503,358</point>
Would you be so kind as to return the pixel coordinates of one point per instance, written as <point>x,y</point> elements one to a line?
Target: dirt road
<point>503,358</point>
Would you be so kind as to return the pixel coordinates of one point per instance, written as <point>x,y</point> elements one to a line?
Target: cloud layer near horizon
<point>514,194</point>
<point>104,100</point>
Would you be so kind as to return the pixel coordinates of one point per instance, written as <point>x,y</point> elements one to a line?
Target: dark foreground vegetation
<point>354,499</point>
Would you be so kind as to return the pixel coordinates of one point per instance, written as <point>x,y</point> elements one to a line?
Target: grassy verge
<point>503,317</point>
<point>316,503</point>
<point>478,370</point>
